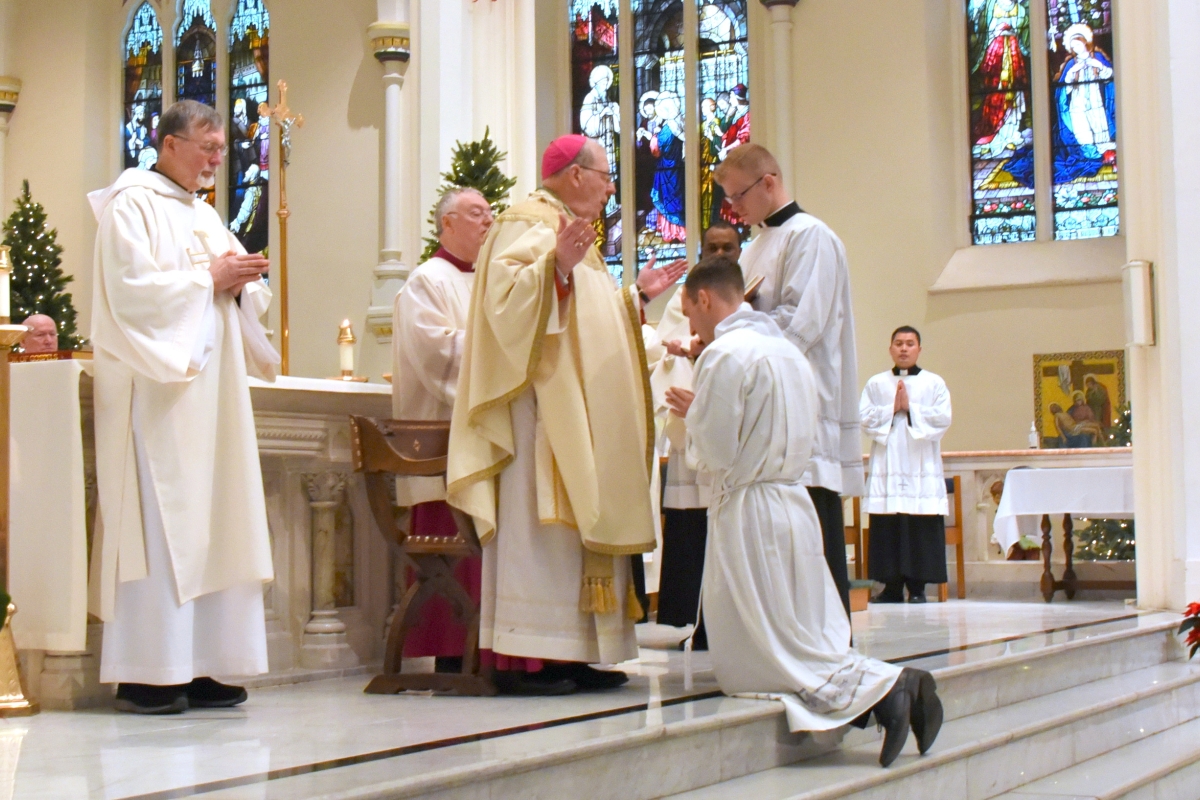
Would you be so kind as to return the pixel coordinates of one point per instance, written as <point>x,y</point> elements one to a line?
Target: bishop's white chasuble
<point>776,625</point>
<point>182,515</point>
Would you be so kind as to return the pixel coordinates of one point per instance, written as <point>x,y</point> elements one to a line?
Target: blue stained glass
<point>249,129</point>
<point>194,11</point>
<point>1084,119</point>
<point>1002,152</point>
<point>143,89</point>
<point>196,53</point>
<point>724,121</point>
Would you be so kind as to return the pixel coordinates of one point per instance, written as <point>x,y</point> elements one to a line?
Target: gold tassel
<point>597,596</point>
<point>633,606</point>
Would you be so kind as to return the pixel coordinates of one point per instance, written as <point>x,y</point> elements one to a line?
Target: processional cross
<point>286,120</point>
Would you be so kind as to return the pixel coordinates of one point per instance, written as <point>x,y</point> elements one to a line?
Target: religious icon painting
<point>724,123</point>
<point>1076,396</point>
<point>1083,122</point>
<point>660,89</point>
<point>1001,129</point>
<point>143,88</point>
<point>595,103</point>
<point>249,129</point>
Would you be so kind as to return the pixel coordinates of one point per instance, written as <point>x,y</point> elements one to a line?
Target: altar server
<point>182,550</point>
<point>906,412</point>
<point>429,321</point>
<point>551,438</point>
<point>685,495</point>
<point>805,289</point>
<point>775,623</point>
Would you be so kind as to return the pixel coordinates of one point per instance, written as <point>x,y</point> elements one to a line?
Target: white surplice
<point>429,321</point>
<point>806,291</point>
<point>776,625</point>
<point>529,598</point>
<point>906,452</point>
<point>183,522</point>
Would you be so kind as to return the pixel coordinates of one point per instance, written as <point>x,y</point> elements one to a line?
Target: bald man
<point>42,336</point>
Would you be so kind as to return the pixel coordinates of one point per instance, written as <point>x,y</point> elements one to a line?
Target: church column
<point>1159,104</point>
<point>10,89</point>
<point>782,100</point>
<point>391,41</point>
<point>325,644</point>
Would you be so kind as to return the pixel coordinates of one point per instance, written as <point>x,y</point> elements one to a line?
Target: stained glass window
<point>196,53</point>
<point>724,100</point>
<point>249,132</point>
<point>660,90</point>
<point>595,103</point>
<point>1002,152</point>
<point>1083,119</point>
<point>143,88</point>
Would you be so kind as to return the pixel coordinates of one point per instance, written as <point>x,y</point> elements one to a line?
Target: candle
<point>5,272</point>
<point>346,342</point>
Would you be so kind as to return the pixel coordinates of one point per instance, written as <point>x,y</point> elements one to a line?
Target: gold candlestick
<point>14,700</point>
<point>346,340</point>
<point>286,120</point>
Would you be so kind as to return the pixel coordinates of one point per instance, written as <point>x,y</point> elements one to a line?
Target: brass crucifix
<point>286,120</point>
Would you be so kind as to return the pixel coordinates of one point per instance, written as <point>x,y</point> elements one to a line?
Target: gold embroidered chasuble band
<point>593,446</point>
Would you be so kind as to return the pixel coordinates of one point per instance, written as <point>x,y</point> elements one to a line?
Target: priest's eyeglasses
<point>737,198</point>
<point>209,149</point>
<point>607,175</point>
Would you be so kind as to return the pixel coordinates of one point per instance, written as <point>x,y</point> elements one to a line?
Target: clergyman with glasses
<point>183,551</point>
<point>805,289</point>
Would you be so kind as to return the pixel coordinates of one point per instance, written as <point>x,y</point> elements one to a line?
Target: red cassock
<point>1003,71</point>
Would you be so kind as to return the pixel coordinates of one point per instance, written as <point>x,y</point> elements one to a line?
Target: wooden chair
<point>854,536</point>
<point>383,449</point>
<point>954,536</point>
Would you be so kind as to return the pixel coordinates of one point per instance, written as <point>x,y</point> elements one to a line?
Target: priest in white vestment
<point>776,627</point>
<point>686,492</point>
<point>429,322</point>
<point>182,549</point>
<point>906,412</point>
<point>805,289</point>
<point>551,437</point>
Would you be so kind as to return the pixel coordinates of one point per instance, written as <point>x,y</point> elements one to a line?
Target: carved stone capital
<point>325,487</point>
<point>10,90</point>
<point>391,41</point>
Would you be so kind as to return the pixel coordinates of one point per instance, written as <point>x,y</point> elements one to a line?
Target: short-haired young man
<point>906,412</point>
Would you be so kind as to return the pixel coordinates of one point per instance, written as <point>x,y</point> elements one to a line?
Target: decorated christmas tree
<point>1109,539</point>
<point>37,278</point>
<point>474,165</point>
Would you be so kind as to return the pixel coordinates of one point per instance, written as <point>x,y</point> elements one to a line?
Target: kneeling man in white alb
<point>182,551</point>
<point>776,624</point>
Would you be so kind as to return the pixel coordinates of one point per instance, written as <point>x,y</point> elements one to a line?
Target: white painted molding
<point>1009,266</point>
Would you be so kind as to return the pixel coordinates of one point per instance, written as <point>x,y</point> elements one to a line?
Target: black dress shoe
<point>207,693</point>
<point>927,711</point>
<point>884,597</point>
<point>894,713</point>
<point>916,598</point>
<point>587,678</point>
<point>146,698</point>
<point>532,684</point>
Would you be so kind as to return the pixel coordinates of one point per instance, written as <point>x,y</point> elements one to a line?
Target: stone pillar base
<point>71,681</point>
<point>327,651</point>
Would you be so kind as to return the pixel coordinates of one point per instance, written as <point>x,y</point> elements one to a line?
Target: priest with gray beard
<point>776,628</point>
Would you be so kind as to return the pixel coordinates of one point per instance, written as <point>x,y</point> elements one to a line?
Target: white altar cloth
<point>48,521</point>
<point>1093,492</point>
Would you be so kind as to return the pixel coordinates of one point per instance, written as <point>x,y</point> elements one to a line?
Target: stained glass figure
<point>196,53</point>
<point>143,89</point>
<point>660,87</point>
<point>1084,120</point>
<point>595,105</point>
<point>249,132</point>
<point>1002,152</point>
<point>724,101</point>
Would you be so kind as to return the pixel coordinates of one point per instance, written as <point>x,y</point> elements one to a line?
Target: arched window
<point>594,96</point>
<point>143,88</point>
<point>690,78</point>
<point>249,132</point>
<point>1077,119</point>
<point>1083,125</point>
<point>196,53</point>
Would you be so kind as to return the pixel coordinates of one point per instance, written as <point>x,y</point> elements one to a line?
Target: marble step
<point>1165,765</point>
<point>697,743</point>
<point>984,755</point>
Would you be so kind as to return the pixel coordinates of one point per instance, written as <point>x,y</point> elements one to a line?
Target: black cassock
<point>907,547</point>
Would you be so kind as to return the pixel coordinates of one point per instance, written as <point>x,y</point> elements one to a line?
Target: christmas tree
<point>1110,539</point>
<point>474,165</point>
<point>37,278</point>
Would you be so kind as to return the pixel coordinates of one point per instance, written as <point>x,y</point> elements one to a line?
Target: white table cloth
<point>1092,492</point>
<point>48,524</point>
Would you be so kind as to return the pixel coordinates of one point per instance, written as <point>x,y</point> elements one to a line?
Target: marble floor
<point>330,727</point>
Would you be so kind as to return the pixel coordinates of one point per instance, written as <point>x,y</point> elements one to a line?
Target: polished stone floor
<point>333,728</point>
